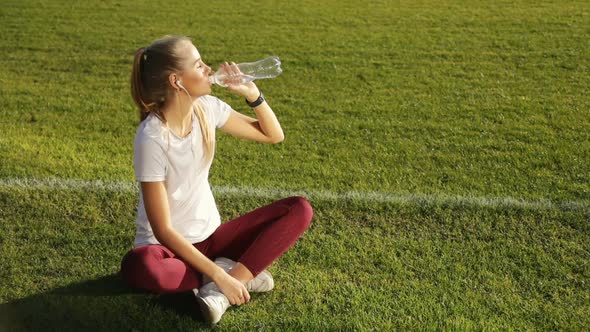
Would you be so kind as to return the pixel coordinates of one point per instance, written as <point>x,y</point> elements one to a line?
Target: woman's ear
<point>173,80</point>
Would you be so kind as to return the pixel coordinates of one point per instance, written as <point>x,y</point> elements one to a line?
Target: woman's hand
<point>233,289</point>
<point>248,90</point>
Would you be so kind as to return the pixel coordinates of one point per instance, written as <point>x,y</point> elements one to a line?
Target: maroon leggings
<point>255,239</point>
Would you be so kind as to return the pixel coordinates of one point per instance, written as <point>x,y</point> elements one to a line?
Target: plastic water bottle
<point>266,68</point>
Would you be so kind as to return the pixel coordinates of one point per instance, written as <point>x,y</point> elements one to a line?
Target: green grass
<point>457,98</point>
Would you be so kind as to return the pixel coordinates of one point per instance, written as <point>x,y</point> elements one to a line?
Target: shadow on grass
<point>105,303</point>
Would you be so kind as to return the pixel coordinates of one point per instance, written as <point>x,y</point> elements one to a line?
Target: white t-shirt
<point>159,155</point>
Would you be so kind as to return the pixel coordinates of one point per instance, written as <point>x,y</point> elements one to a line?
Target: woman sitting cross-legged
<point>180,243</point>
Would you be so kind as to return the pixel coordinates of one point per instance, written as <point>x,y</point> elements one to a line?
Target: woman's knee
<point>139,268</point>
<point>301,206</point>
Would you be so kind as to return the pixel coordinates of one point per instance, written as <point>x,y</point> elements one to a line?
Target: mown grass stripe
<point>358,196</point>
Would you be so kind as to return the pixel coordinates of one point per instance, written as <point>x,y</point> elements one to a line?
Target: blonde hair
<point>149,83</point>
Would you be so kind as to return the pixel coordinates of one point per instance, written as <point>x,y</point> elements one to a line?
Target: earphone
<point>179,83</point>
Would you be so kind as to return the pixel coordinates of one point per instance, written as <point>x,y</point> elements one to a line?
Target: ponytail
<point>138,88</point>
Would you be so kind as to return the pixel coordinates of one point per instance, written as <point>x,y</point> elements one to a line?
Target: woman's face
<point>195,76</point>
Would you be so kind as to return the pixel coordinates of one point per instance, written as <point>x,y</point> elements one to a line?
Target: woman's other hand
<point>233,289</point>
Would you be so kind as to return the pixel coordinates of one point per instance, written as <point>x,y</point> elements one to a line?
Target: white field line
<point>358,196</point>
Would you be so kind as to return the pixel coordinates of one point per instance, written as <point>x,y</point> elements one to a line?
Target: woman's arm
<point>265,128</point>
<point>158,213</point>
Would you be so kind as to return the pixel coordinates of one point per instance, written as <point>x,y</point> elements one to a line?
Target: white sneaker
<point>262,283</point>
<point>212,302</point>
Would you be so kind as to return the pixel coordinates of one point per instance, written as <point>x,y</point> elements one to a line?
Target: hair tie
<point>143,60</point>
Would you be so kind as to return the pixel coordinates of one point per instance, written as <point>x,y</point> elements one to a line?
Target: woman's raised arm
<point>265,128</point>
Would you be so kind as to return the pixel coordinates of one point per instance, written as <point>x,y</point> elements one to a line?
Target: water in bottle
<point>266,68</point>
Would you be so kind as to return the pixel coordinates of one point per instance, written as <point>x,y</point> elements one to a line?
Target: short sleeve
<point>218,109</point>
<point>149,160</point>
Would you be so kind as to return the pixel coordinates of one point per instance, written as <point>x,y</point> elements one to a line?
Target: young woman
<point>180,243</point>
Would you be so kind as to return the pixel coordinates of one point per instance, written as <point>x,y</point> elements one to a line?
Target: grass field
<point>474,114</point>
